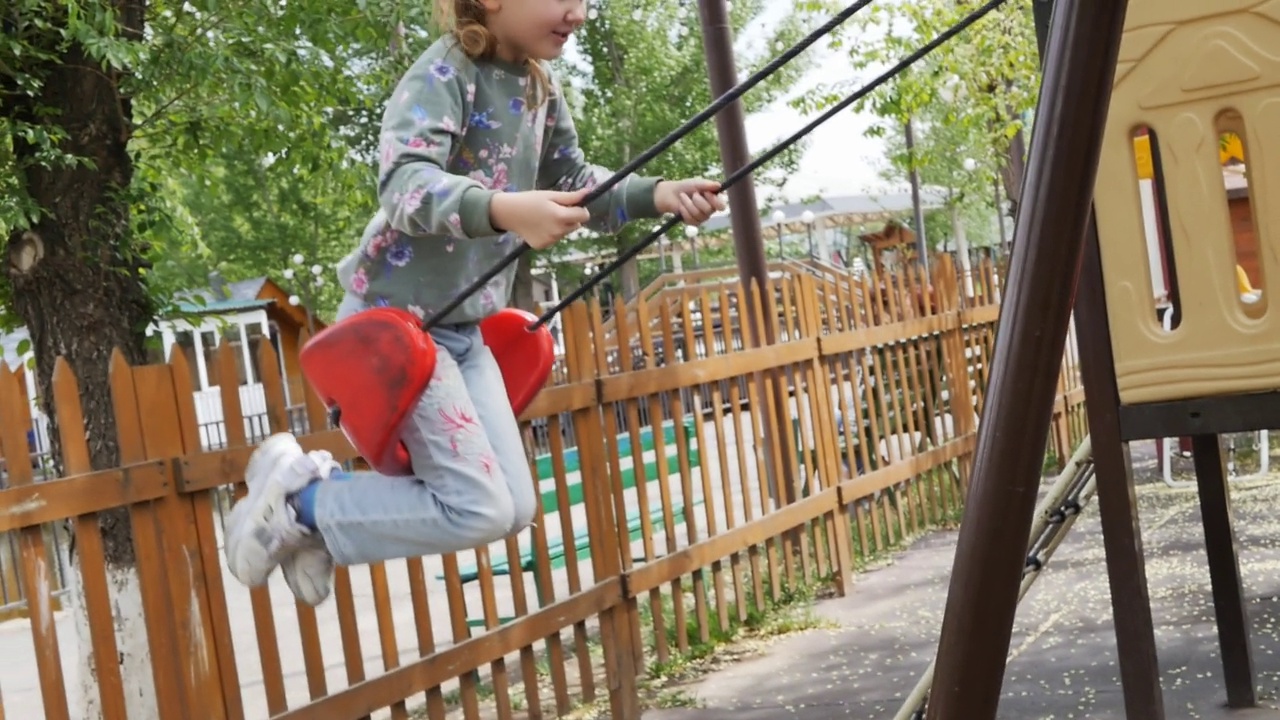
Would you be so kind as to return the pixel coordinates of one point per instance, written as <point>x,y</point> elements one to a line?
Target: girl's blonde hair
<point>464,20</point>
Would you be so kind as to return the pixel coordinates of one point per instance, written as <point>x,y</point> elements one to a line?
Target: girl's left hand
<point>694,200</point>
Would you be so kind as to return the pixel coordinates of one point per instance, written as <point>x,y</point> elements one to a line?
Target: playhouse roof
<point>226,297</point>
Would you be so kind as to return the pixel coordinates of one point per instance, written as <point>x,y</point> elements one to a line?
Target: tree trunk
<point>77,284</point>
<point>629,274</point>
<point>1012,171</point>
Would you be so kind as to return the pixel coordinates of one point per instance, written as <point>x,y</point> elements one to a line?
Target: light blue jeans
<point>473,484</point>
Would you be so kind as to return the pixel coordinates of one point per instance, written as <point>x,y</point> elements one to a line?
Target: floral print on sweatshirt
<point>455,133</point>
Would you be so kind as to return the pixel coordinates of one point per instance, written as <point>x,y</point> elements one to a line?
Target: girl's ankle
<point>303,503</point>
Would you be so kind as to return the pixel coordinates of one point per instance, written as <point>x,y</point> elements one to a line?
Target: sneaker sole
<point>266,453</point>
<point>243,552</point>
<point>310,593</point>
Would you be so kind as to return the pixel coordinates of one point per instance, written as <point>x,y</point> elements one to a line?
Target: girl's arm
<point>422,125</point>
<point>564,167</point>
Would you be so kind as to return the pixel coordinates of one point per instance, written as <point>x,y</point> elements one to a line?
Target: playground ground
<point>874,643</point>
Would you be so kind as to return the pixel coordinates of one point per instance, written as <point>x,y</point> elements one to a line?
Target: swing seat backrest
<point>375,365</point>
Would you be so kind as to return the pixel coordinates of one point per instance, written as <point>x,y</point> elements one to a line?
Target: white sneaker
<point>309,569</point>
<point>262,529</point>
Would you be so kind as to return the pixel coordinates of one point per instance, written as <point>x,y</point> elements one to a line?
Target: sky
<point>841,160</point>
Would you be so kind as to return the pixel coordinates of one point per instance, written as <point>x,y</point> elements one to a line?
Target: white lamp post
<point>807,218</point>
<point>778,218</point>
<point>662,251</point>
<point>962,242</point>
<point>691,232</point>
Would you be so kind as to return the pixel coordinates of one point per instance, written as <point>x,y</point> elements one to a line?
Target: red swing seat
<point>374,366</point>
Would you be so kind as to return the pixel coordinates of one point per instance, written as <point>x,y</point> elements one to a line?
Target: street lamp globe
<point>288,273</point>
<point>298,259</point>
<point>807,217</point>
<point>294,300</point>
<point>778,216</point>
<point>317,269</point>
<point>970,164</point>
<point>691,231</point>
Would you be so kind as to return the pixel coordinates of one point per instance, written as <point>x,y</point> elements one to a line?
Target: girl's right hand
<point>539,217</point>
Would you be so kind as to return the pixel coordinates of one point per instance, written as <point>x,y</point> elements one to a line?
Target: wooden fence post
<point>583,329</point>
<point>33,553</point>
<point>167,433</point>
<point>955,360</point>
<point>199,515</point>
<point>828,449</point>
<point>169,562</point>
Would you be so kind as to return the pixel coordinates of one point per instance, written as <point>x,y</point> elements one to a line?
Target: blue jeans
<point>473,484</point>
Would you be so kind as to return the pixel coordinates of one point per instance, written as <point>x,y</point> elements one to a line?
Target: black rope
<point>772,153</point>
<point>672,138</point>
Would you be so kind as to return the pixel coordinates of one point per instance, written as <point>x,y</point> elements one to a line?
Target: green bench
<point>501,564</point>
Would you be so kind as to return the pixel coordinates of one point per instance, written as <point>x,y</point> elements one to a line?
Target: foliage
<point>639,72</point>
<point>251,123</point>
<point>969,98</point>
<point>965,180</point>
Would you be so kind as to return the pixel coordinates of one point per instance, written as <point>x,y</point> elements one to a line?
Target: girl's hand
<point>694,200</point>
<point>540,217</point>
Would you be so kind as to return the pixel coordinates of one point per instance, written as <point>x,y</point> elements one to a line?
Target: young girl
<point>478,152</point>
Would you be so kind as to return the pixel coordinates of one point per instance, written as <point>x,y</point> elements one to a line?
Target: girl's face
<point>537,29</point>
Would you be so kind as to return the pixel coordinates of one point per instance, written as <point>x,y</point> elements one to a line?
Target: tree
<point>954,160</point>
<point>983,82</point>
<point>639,73</point>
<point>120,116</point>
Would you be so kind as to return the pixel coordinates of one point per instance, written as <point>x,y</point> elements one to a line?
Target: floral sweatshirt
<point>455,133</point>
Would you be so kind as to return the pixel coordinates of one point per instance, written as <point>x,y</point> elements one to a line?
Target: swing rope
<point>769,155</point>
<point>662,145</point>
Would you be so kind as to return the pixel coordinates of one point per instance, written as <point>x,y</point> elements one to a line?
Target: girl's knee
<point>524,508</point>
<point>492,517</point>
<point>504,513</point>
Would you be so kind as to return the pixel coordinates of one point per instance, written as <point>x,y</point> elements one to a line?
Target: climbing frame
<point>1191,72</point>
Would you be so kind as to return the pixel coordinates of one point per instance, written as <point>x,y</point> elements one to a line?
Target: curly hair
<point>465,21</point>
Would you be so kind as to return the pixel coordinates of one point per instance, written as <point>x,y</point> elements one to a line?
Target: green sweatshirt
<point>455,133</point>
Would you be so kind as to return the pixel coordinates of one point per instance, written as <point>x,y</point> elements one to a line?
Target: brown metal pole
<point>1117,504</point>
<point>748,240</point>
<point>1048,240</point>
<point>744,219</point>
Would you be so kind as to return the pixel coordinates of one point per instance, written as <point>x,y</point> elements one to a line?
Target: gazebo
<point>891,246</point>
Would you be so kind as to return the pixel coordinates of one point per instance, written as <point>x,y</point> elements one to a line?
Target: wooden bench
<point>501,564</point>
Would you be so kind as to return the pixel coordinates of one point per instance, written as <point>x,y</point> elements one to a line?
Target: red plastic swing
<point>374,366</point>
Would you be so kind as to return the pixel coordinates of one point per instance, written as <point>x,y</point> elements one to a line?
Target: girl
<point>478,151</point>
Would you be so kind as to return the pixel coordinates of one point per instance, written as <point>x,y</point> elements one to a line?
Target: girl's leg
<point>488,393</point>
<point>458,500</point>
<point>461,499</point>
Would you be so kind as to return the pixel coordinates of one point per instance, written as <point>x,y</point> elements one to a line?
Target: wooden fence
<point>689,480</point>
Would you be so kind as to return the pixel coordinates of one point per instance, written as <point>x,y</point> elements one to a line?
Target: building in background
<point>242,314</point>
